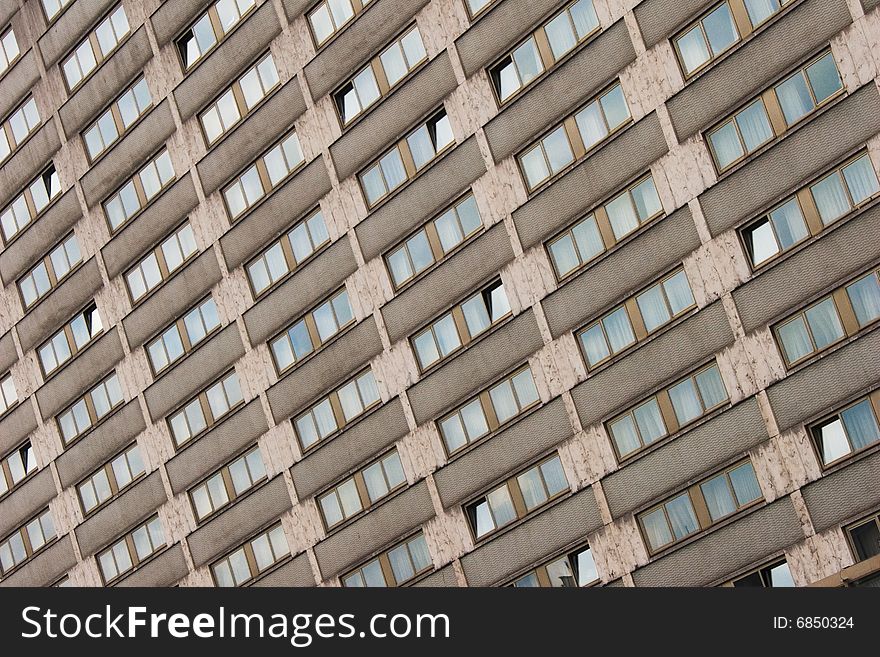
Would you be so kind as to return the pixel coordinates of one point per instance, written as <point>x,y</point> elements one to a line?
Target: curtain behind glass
<point>830,198</point>
<point>865,298</point>
<point>861,425</point>
<point>861,179</point>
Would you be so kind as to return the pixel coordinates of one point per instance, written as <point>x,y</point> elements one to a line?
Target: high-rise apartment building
<point>439,292</point>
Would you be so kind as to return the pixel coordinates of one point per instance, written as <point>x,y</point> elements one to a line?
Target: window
<point>712,35</point>
<point>117,118</point>
<point>18,127</point>
<point>54,7</point>
<point>636,318</point>
<point>111,479</point>
<point>774,112</point>
<point>409,156</point>
<point>16,466</point>
<point>244,94</point>
<point>97,46</point>
<point>70,340</point>
<point>380,75</point>
<point>312,331</point>
<point>161,263</point>
<point>330,16</point>
<point>517,497</point>
<point>434,241</point>
<point>476,7</point>
<point>807,212</point>
<point>28,205</point>
<point>362,490</point>
<point>263,176</point>
<point>131,550</point>
<point>394,567</point>
<point>139,190</point>
<point>206,409</point>
<point>848,431</point>
<point>864,538</point>
<point>252,559</point>
<point>604,227</point>
<point>227,484</point>
<point>461,325</point>
<point>210,28</point>
<point>667,411</point>
<point>803,92</point>
<point>841,314</point>
<point>491,409</point>
<point>90,409</point>
<point>8,49</point>
<point>575,569</point>
<point>8,395</point>
<point>183,336</point>
<point>570,141</point>
<point>700,506</point>
<point>50,271</point>
<point>337,410</point>
<point>760,10</point>
<point>285,255</point>
<point>26,541</point>
<point>776,575</point>
<point>544,48</point>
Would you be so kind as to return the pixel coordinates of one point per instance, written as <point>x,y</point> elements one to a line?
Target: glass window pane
<point>831,441</point>
<point>650,421</point>
<point>524,385</point>
<point>789,222</point>
<point>861,179</point>
<point>564,256</point>
<point>646,199</point>
<point>656,529</point>
<point>824,78</point>
<point>824,323</point>
<point>503,401</point>
<point>393,64</point>
<point>678,291</point>
<point>681,516</point>
<point>475,314</point>
<point>558,149</point>
<point>652,306</point>
<point>726,145</point>
<point>373,576</point>
<point>615,108</point>
<point>560,34</point>
<point>719,498</point>
<point>693,49</point>
<point>448,230</point>
<point>745,484</point>
<point>711,387</point>
<point>401,565</point>
<point>619,330</point>
<point>483,520</point>
<point>591,124</point>
<point>861,425</point>
<point>830,198</point>
<point>535,166</point>
<point>351,502</point>
<point>622,215</point>
<point>864,295</point>
<point>413,48</point>
<point>554,476</point>
<point>502,506</point>
<point>794,98</point>
<point>426,349</point>
<point>588,239</point>
<point>754,126</point>
<point>594,345</point>
<point>392,167</point>
<point>685,401</point>
<point>528,61</point>
<point>795,339</point>
<point>623,432</point>
<point>720,29</point>
<point>474,420</point>
<point>453,433</point>
<point>761,10</point>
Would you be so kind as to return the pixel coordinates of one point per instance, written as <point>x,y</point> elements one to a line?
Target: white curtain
<point>830,198</point>
<point>620,333</point>
<point>861,179</point>
<point>865,298</point>
<point>861,425</point>
<point>719,499</point>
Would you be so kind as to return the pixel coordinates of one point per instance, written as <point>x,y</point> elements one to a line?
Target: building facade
<point>439,292</point>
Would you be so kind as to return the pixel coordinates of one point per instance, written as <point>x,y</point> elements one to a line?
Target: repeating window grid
<point>15,130</point>
<point>828,321</point>
<point>51,271</point>
<point>361,491</point>
<point>406,158</point>
<point>263,176</point>
<point>543,49</point>
<point>26,541</point>
<point>433,242</point>
<point>312,331</point>
<point>382,74</point>
<point>230,482</point>
<point>570,141</point>
<point>821,82</point>
<point>774,575</point>
<point>489,411</point>
<point>701,506</point>
<point>239,99</point>
<point>305,239</point>
<point>252,559</point>
<point>111,479</point>
<point>605,227</point>
<point>847,432</point>
<point>161,263</point>
<point>575,569</point>
<point>810,210</point>
<point>9,50</point>
<point>16,466</point>
<point>30,203</point>
<point>864,538</point>
<point>395,567</point>
<point>461,325</point>
<point>774,111</point>
<point>131,550</point>
<point>337,410</point>
<point>328,17</point>
<point>671,409</point>
<point>117,119</point>
<point>70,340</point>
<point>209,29</point>
<point>205,410</point>
<point>183,336</point>
<point>636,318</point>
<point>97,46</point>
<point>90,409</point>
<point>517,497</point>
<point>142,188</point>
<point>8,394</point>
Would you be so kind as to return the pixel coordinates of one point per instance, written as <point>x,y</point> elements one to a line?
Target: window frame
<point>6,469</point>
<point>10,63</point>
<point>54,281</point>
<point>542,574</point>
<point>762,571</point>
<point>136,561</point>
<point>848,528</point>
<point>232,497</point>
<point>94,420</point>
<point>873,400</point>
<point>387,569</point>
<point>255,573</point>
<point>207,411</point>
<point>66,329</point>
<point>161,263</point>
<point>357,6</point>
<point>8,132</point>
<point>30,204</point>
<point>8,406</point>
<point>118,121</point>
<point>183,334</point>
<point>92,38</point>
<point>219,35</point>
<point>22,531</point>
<point>144,202</point>
<point>115,489</point>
